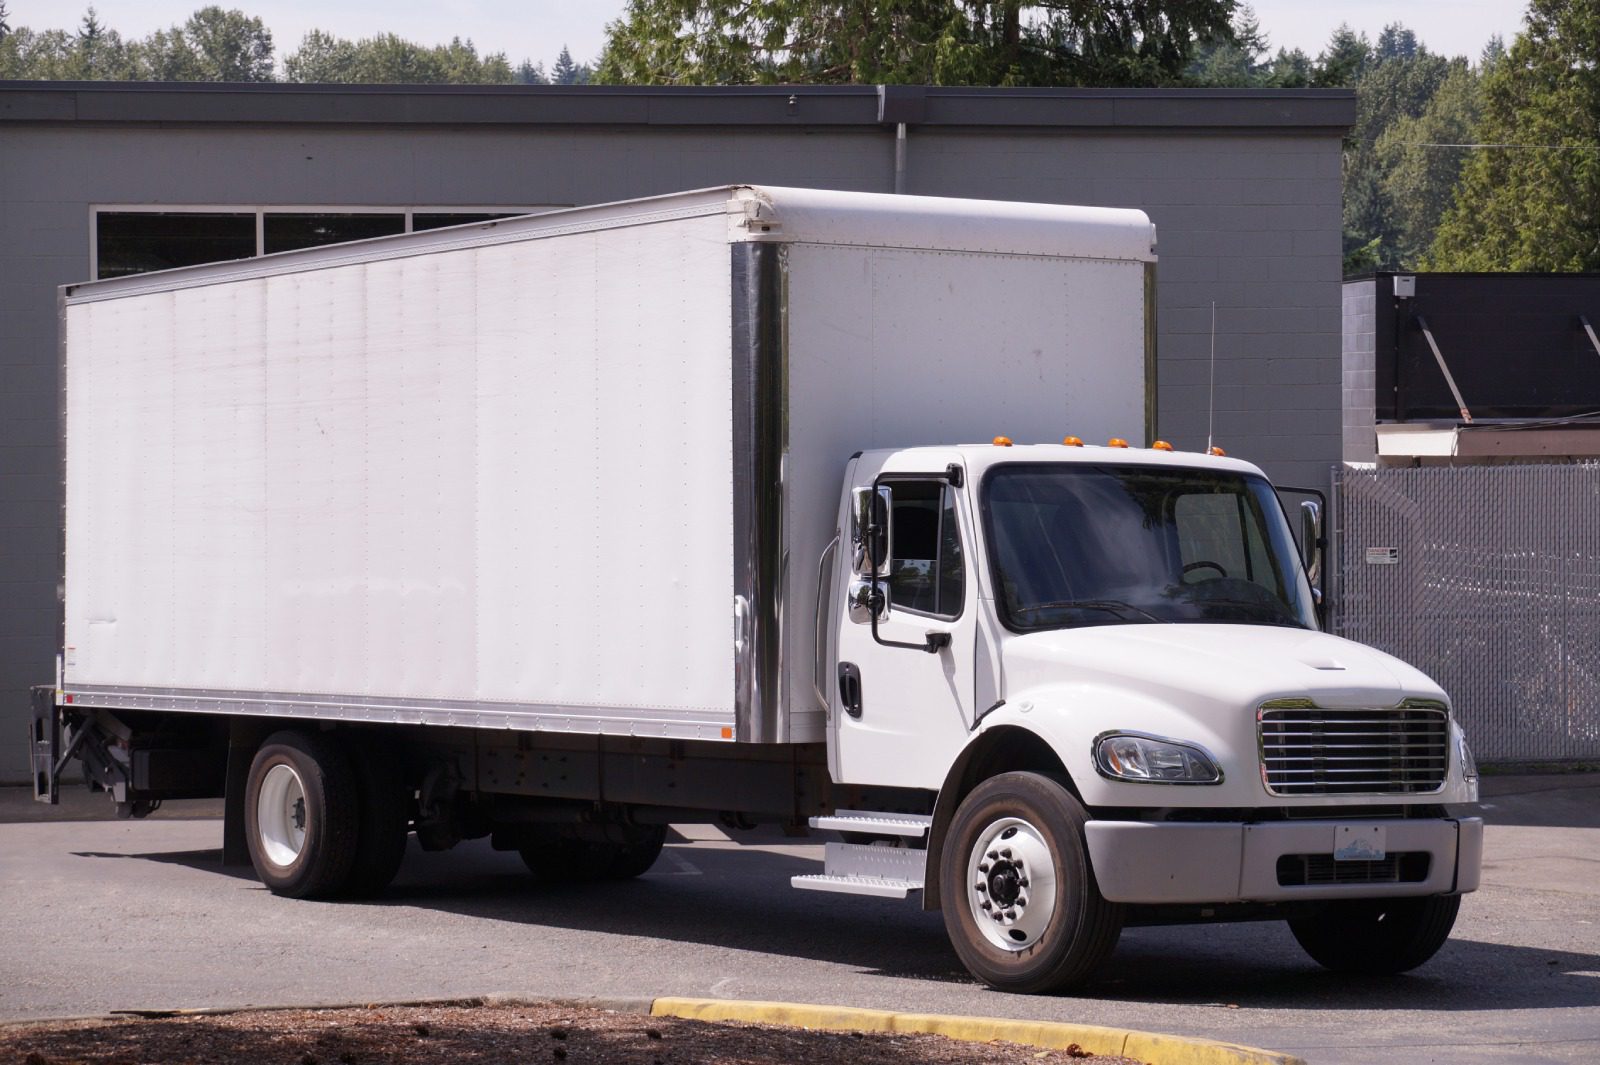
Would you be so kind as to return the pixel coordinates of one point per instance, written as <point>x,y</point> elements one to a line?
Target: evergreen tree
<point>1418,174</point>
<point>1530,199</point>
<point>5,27</point>
<point>567,72</point>
<point>938,42</point>
<point>1345,59</point>
<point>531,73</point>
<point>388,59</point>
<point>1235,62</point>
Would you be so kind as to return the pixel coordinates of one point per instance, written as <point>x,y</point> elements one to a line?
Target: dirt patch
<point>481,1035</point>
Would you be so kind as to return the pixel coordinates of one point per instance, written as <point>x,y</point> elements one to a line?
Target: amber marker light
<point>1002,441</point>
<point>1161,445</point>
<point>1116,441</point>
<point>1071,441</point>
<point>727,733</point>
<point>1216,451</point>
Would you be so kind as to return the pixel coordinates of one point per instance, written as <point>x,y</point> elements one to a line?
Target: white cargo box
<point>567,472</point>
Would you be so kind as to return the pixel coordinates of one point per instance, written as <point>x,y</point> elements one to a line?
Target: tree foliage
<point>569,72</point>
<point>218,44</point>
<point>388,59</point>
<point>1418,175</point>
<point>1533,201</point>
<point>212,45</point>
<point>934,42</point>
<point>1242,60</point>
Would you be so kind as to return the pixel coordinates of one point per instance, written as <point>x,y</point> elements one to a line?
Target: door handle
<point>850,688</point>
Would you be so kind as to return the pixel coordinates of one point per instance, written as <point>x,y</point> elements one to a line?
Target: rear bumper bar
<point>44,744</point>
<point>1179,862</point>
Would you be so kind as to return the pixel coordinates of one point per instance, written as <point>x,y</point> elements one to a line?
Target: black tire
<point>327,813</point>
<point>1377,937</point>
<point>1082,928</point>
<point>635,857</point>
<point>385,815</point>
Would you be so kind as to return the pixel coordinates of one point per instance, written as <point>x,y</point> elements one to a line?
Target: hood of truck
<point>1234,665</point>
<point>1200,684</point>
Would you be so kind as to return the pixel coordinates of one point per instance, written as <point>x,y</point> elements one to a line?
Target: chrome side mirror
<point>871,511</point>
<point>866,596</point>
<point>1310,539</point>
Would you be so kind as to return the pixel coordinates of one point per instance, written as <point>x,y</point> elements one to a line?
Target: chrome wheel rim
<point>1011,884</point>
<point>281,815</point>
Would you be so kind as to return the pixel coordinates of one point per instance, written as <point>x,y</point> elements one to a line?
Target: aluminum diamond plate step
<point>857,869</point>
<point>856,885</point>
<point>871,823</point>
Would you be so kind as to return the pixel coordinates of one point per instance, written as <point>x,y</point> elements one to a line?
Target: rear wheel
<point>635,857</point>
<point>1020,901</point>
<point>301,815</point>
<point>385,815</point>
<point>1377,937</point>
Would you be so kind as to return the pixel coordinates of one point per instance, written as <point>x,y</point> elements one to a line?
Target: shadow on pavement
<point>726,898</point>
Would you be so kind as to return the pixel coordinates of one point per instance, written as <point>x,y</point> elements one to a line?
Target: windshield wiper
<point>1114,606</point>
<point>1264,611</point>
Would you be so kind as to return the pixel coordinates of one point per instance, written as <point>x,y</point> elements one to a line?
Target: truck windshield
<point>1112,545</point>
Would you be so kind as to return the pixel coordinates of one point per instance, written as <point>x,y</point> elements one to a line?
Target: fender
<point>999,746</point>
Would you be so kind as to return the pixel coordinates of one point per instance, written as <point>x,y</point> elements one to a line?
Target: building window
<point>438,220</point>
<point>289,232</point>
<point>139,239</point>
<point>136,243</point>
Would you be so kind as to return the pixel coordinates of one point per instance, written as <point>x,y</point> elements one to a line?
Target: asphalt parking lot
<point>108,915</point>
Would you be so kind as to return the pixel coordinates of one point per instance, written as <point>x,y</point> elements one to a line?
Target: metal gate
<point>1487,578</point>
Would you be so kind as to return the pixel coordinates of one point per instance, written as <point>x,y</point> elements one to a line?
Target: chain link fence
<point>1487,578</point>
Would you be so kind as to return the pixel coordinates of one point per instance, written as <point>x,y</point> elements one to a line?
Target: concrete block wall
<point>1359,389</point>
<point>1246,204</point>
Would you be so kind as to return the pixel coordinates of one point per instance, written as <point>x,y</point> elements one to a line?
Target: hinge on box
<point>759,217</point>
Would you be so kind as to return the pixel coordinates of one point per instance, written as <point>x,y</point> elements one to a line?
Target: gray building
<point>100,179</point>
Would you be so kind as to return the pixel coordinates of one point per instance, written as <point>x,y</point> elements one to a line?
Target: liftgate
<point>1487,578</point>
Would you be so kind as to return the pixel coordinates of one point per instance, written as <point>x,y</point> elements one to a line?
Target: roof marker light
<point>1216,451</point>
<point>1002,441</point>
<point>1116,441</point>
<point>1071,441</point>
<point>1161,445</point>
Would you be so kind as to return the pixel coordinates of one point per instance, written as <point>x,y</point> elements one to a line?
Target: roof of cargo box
<point>763,213</point>
<point>881,219</point>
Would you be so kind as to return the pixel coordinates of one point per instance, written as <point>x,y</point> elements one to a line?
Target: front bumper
<point>1203,862</point>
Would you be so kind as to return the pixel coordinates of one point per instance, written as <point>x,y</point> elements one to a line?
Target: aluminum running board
<point>871,823</point>
<point>854,869</point>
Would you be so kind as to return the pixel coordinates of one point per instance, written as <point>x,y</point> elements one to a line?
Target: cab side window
<point>927,573</point>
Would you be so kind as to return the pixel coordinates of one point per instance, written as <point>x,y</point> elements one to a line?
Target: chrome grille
<point>1318,751</point>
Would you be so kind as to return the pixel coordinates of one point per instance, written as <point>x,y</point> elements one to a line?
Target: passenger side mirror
<point>871,539</point>
<point>1311,540</point>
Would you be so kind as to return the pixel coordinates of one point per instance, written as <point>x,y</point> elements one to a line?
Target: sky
<point>536,29</point>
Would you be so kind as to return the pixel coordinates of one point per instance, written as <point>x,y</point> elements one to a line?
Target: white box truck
<point>706,507</point>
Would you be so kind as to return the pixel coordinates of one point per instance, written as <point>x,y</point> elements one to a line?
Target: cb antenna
<point>1211,398</point>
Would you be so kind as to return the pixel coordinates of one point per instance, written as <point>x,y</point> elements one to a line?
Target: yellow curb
<point>1146,1046</point>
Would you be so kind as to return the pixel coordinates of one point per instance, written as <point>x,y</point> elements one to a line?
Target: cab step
<point>858,869</point>
<point>871,823</point>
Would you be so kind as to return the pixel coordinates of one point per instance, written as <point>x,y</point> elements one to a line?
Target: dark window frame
<point>947,494</point>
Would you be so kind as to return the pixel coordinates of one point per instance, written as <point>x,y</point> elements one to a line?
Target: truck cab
<point>1107,664</point>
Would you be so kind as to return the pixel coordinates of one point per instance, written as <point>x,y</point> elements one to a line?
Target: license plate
<point>1359,843</point>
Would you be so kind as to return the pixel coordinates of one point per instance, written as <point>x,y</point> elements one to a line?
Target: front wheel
<point>1021,905</point>
<point>1377,937</point>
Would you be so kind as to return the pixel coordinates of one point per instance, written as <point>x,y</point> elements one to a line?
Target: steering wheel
<point>1203,564</point>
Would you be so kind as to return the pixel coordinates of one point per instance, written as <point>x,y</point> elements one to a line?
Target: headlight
<point>1469,765</point>
<point>1146,759</point>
